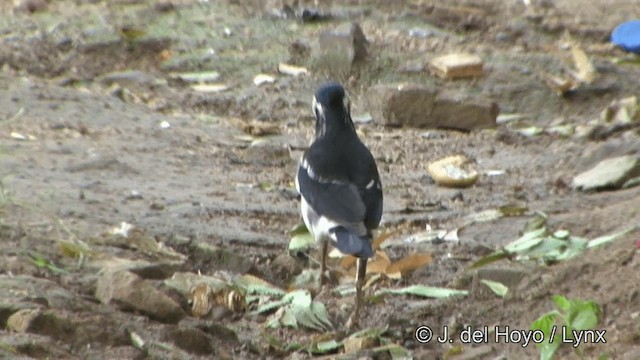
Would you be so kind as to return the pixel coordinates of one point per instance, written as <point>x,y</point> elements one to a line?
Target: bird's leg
<point>360,276</point>
<point>323,261</point>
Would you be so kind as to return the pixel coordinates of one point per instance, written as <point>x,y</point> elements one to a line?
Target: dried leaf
<point>348,261</point>
<point>586,71</point>
<point>201,298</point>
<point>560,85</point>
<point>292,70</point>
<point>210,88</point>
<point>407,265</point>
<point>201,77</point>
<point>263,79</point>
<point>379,263</point>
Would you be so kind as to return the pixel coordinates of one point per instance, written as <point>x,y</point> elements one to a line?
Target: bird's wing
<point>337,200</point>
<point>372,198</point>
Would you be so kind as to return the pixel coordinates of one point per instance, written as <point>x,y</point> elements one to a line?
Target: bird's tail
<point>350,243</point>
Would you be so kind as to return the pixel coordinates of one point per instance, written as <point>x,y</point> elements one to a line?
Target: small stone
<point>214,258</point>
<point>131,293</point>
<point>608,174</point>
<point>454,66</point>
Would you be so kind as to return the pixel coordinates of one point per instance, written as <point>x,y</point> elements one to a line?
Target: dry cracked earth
<point>96,130</point>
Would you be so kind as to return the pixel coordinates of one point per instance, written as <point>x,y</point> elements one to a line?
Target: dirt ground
<point>84,147</point>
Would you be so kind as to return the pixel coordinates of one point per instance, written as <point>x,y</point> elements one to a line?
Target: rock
<point>18,346</point>
<point>422,106</point>
<point>183,282</point>
<point>463,112</point>
<point>346,39</point>
<point>41,322</point>
<point>608,174</point>
<point>156,271</point>
<point>454,66</point>
<point>402,105</point>
<point>26,292</point>
<point>212,258</point>
<point>192,340</point>
<point>131,293</point>
<point>286,266</point>
<point>339,50</point>
<point>220,332</point>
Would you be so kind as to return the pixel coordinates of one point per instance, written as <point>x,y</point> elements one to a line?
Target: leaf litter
<point>539,243</point>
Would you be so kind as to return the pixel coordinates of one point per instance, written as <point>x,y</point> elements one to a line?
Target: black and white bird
<point>339,184</point>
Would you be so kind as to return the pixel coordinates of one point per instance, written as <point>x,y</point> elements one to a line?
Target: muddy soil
<point>95,130</point>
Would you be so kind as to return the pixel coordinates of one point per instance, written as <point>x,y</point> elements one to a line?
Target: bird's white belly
<point>318,225</point>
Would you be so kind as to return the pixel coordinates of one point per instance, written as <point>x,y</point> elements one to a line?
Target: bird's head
<point>332,108</point>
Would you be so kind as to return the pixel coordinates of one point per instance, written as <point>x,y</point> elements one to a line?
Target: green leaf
<point>526,241</point>
<point>297,308</point>
<point>497,287</point>
<point>301,239</point>
<point>608,238</point>
<point>254,285</point>
<point>561,234</point>
<point>488,259</point>
<point>424,291</point>
<point>561,303</point>
<point>324,347</point>
<point>585,319</point>
<point>537,222</point>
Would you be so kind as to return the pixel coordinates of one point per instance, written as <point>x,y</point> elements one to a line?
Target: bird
<point>339,185</point>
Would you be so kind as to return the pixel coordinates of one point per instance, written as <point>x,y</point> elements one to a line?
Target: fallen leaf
<point>379,263</point>
<point>210,88</point>
<point>561,85</point>
<point>292,70</point>
<point>301,239</point>
<point>424,291</point>
<point>586,71</point>
<point>407,265</point>
<point>201,77</point>
<point>254,285</point>
<point>201,298</point>
<point>348,261</point>
<point>261,79</point>
<point>497,287</point>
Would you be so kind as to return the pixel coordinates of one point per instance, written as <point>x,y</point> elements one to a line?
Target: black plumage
<point>339,184</point>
